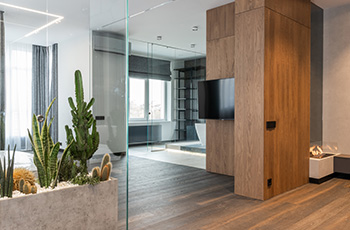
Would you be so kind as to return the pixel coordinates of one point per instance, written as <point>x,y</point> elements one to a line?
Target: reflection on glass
<point>137,98</point>
<point>157,99</point>
<point>44,43</point>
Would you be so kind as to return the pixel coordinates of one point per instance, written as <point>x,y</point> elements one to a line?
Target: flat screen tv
<point>216,99</point>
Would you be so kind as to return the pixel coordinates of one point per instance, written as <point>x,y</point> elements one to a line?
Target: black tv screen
<point>216,99</point>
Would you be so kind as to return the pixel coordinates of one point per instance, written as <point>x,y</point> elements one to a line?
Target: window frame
<point>147,116</point>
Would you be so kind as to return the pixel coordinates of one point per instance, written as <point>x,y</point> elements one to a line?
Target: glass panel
<point>173,109</point>
<point>44,44</point>
<point>157,99</point>
<point>137,98</point>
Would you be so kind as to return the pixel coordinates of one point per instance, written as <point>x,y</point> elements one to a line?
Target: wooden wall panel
<point>249,104</point>
<point>220,147</point>
<point>220,64</point>
<point>298,10</point>
<point>287,101</point>
<point>246,5</point>
<point>220,58</point>
<point>220,22</point>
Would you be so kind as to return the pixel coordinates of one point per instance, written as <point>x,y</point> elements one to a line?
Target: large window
<point>18,95</point>
<point>147,99</point>
<point>137,98</point>
<point>157,99</point>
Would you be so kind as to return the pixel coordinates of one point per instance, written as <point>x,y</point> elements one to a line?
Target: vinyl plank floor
<point>170,196</point>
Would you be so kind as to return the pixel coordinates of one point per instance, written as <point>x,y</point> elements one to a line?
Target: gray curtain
<point>2,81</point>
<point>45,84</point>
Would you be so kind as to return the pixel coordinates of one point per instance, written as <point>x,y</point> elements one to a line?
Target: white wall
<point>336,79</point>
<point>73,54</point>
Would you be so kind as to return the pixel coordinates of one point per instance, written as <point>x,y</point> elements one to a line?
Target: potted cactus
<point>65,203</point>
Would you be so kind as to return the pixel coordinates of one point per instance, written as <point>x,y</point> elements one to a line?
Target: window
<point>157,99</point>
<point>137,98</point>
<point>18,95</point>
<point>147,96</point>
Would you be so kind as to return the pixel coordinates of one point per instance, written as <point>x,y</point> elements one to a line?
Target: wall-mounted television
<point>216,99</point>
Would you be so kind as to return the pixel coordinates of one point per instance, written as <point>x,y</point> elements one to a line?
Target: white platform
<point>322,167</point>
<point>22,159</point>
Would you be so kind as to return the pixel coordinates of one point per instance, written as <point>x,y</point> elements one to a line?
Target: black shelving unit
<point>186,98</point>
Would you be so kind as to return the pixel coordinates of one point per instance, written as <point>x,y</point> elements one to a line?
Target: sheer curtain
<point>18,95</point>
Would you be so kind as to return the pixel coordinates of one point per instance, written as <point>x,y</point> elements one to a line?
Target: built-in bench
<point>324,169</point>
<point>342,164</point>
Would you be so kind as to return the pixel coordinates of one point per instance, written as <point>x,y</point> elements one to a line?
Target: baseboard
<point>321,180</point>
<point>326,178</point>
<point>342,176</point>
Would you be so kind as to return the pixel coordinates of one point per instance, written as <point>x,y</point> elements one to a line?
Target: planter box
<point>80,207</point>
<point>320,168</point>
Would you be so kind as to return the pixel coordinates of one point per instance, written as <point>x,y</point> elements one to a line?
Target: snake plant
<point>6,175</point>
<point>45,151</point>
<point>85,143</point>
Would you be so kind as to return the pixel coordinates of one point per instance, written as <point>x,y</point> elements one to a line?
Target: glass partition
<point>164,105</point>
<point>51,51</point>
<point>164,100</point>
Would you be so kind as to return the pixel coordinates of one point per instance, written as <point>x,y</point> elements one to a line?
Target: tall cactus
<point>84,144</point>
<point>6,175</point>
<point>45,152</point>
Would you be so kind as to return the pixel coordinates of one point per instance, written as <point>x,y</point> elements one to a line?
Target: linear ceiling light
<point>152,8</point>
<point>139,13</point>
<point>57,20</point>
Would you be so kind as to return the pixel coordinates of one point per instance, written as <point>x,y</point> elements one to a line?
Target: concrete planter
<point>320,168</point>
<point>81,207</point>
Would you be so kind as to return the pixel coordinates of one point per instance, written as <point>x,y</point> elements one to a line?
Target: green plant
<point>69,169</point>
<point>45,152</point>
<point>6,175</point>
<point>104,172</point>
<point>84,143</point>
<point>82,179</point>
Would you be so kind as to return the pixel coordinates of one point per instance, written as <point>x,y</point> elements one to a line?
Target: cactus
<point>21,185</point>
<point>33,189</point>
<point>68,169</point>
<point>45,152</point>
<point>6,175</point>
<point>22,173</point>
<point>26,188</point>
<point>104,172</point>
<point>96,172</point>
<point>85,143</point>
<point>106,158</point>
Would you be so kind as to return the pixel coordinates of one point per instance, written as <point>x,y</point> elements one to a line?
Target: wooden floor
<point>168,196</point>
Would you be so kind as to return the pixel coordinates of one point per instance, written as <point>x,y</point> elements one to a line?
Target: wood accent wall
<point>293,9</point>
<point>247,5</point>
<point>249,103</point>
<point>287,101</point>
<point>220,64</point>
<point>272,65</point>
<point>296,10</point>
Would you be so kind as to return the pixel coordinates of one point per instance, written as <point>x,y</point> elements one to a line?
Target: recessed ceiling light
<point>159,38</point>
<point>57,20</point>
<point>195,28</point>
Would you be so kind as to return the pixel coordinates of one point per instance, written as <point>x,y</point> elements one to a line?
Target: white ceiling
<point>173,21</point>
